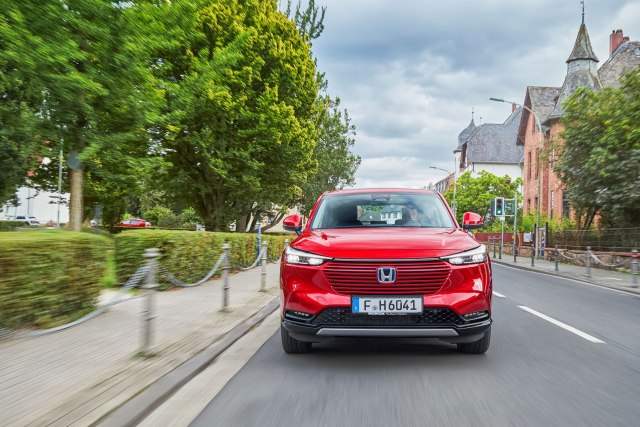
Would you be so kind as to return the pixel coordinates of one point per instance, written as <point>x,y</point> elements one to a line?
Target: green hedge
<point>49,277</point>
<point>188,255</point>
<point>52,277</point>
<point>11,225</point>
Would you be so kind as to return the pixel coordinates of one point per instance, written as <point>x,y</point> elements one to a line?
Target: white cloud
<point>410,71</point>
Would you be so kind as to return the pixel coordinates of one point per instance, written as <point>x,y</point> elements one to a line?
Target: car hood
<point>385,243</point>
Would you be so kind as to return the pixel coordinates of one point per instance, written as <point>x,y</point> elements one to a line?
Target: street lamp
<point>455,206</point>
<point>537,243</point>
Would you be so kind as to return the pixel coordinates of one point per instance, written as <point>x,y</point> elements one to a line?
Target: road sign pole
<point>501,236</point>
<point>515,221</point>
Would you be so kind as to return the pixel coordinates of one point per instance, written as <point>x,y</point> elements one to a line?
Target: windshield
<point>382,210</point>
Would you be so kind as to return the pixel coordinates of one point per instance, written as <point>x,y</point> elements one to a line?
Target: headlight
<point>294,256</point>
<point>474,256</point>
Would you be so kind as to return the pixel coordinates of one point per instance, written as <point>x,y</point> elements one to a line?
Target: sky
<point>409,72</point>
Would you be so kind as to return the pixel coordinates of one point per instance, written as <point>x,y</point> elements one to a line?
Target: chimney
<point>615,41</point>
<point>513,107</point>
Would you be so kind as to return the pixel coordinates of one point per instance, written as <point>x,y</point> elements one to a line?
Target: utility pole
<point>59,182</point>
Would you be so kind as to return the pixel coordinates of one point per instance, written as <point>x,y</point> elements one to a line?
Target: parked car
<point>385,263</point>
<point>134,223</point>
<point>28,220</point>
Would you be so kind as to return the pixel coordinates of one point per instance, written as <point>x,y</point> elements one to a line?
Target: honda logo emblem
<point>386,275</point>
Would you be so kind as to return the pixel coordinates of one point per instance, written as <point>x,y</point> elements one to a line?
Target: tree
<point>241,106</point>
<point>336,165</point>
<point>309,23</point>
<point>19,100</point>
<point>599,156</point>
<point>95,93</point>
<point>476,194</point>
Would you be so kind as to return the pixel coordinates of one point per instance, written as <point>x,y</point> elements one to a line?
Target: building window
<point>537,160</point>
<point>528,205</point>
<point>551,206</point>
<point>535,203</point>
<point>529,167</point>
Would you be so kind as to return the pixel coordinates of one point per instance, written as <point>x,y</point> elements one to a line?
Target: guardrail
<point>587,258</point>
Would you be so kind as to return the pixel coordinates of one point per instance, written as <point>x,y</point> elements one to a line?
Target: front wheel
<point>292,345</point>
<point>477,347</point>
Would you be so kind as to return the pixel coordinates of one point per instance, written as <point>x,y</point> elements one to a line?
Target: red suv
<point>385,263</point>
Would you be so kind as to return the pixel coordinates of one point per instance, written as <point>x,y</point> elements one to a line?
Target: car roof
<point>380,190</point>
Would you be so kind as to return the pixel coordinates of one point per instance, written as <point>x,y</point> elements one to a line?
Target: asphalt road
<point>563,353</point>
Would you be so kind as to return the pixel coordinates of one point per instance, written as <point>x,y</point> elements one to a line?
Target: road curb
<point>629,290</point>
<point>136,409</point>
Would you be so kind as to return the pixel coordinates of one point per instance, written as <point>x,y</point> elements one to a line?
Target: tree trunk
<point>273,223</point>
<point>75,208</point>
<point>241,224</point>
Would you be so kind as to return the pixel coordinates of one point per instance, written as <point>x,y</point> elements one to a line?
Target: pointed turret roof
<point>582,71</point>
<point>462,136</point>
<point>582,48</point>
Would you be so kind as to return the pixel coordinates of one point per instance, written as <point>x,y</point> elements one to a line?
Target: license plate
<point>386,305</point>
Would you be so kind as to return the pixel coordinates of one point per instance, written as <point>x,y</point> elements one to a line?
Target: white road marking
<point>562,325</point>
<point>499,295</point>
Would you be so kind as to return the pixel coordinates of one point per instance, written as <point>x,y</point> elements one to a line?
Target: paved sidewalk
<point>601,277</point>
<point>80,375</point>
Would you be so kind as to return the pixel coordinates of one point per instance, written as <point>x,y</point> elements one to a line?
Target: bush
<point>154,214</point>
<point>189,216</point>
<point>10,225</point>
<point>169,220</point>
<point>186,254</point>
<point>49,277</point>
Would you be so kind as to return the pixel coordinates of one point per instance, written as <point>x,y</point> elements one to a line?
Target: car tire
<point>477,347</point>
<point>291,345</point>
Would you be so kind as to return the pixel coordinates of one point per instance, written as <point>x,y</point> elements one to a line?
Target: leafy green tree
<point>476,194</point>
<point>600,154</point>
<point>336,164</point>
<point>309,20</point>
<point>19,98</point>
<point>241,105</point>
<point>95,93</point>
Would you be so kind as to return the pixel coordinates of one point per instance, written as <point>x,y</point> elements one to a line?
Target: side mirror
<point>471,221</point>
<point>293,223</point>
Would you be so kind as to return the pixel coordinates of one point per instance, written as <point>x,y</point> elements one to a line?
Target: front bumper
<point>437,323</point>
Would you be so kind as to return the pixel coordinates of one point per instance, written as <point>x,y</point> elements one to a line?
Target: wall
<point>43,205</point>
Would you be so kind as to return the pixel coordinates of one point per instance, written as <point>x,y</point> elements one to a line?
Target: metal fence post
<point>555,255</point>
<point>534,245</point>
<point>493,240</point>
<point>588,261</point>
<point>149,286</point>
<point>225,275</point>
<point>263,262</point>
<point>634,268</point>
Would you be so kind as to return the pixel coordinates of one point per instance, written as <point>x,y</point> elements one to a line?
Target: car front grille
<point>361,278</point>
<point>431,316</point>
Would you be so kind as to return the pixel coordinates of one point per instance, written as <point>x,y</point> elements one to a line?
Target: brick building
<point>541,184</point>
